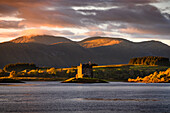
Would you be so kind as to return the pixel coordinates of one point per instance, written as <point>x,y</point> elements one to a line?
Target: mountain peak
<point>100,41</point>
<point>42,39</point>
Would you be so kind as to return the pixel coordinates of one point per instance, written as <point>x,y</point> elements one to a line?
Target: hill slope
<point>61,52</point>
<point>93,42</point>
<point>42,39</point>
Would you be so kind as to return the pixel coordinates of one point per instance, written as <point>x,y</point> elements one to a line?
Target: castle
<point>85,70</point>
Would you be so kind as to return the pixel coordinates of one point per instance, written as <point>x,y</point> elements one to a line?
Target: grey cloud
<point>102,2</point>
<point>146,18</point>
<point>10,24</point>
<point>149,36</point>
<point>61,18</point>
<point>145,14</point>
<point>66,32</point>
<point>6,10</point>
<point>158,29</point>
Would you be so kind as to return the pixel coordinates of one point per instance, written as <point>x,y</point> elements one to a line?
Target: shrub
<point>162,76</point>
<point>33,72</point>
<point>13,74</point>
<point>52,71</point>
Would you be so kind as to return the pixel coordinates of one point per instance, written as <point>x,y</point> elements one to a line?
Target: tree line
<point>19,67</point>
<point>31,70</point>
<point>150,60</point>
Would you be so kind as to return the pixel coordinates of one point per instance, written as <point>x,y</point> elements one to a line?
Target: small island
<point>84,75</point>
<point>84,80</point>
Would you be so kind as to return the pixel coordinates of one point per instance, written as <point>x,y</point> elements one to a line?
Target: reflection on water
<point>114,97</point>
<point>117,99</point>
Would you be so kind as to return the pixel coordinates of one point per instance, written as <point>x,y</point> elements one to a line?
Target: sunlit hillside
<point>42,39</point>
<point>156,77</point>
<point>98,42</point>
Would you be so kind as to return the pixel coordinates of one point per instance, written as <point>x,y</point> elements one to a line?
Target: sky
<point>135,20</point>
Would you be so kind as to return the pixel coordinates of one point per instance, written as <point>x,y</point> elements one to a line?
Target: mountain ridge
<point>64,52</point>
<point>44,39</point>
<point>59,39</point>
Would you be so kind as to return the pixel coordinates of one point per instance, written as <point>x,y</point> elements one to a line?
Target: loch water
<point>112,97</point>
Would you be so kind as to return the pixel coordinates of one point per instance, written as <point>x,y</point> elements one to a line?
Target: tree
<point>52,71</point>
<point>13,74</point>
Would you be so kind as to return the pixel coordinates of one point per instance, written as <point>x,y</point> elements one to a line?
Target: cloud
<point>39,13</point>
<point>6,10</point>
<point>9,35</point>
<point>100,17</point>
<point>144,19</point>
<point>145,14</point>
<point>100,3</point>
<point>10,24</point>
<point>94,33</point>
<point>45,32</point>
<point>35,31</point>
<point>157,29</point>
<point>61,14</point>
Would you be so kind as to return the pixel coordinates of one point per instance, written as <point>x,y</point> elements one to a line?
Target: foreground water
<point>113,97</point>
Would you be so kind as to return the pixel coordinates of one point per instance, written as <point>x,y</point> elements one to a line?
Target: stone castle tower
<point>85,70</point>
<point>79,71</point>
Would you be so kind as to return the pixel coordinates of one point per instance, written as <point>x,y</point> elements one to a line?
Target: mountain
<point>45,50</point>
<point>98,42</point>
<point>42,39</point>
